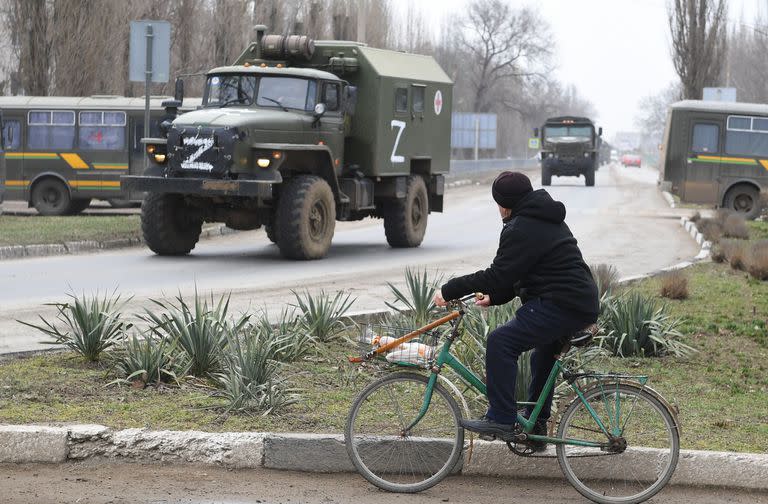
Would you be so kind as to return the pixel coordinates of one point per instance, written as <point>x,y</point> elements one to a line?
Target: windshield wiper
<point>276,101</point>
<point>233,100</point>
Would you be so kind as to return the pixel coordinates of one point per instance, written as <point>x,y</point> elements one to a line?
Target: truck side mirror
<point>536,132</point>
<point>178,92</point>
<point>350,99</point>
<point>600,131</point>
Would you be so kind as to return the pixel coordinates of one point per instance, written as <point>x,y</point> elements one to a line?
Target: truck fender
<point>315,161</point>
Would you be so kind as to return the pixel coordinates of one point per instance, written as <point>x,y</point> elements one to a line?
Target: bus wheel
<point>77,205</point>
<point>50,196</point>
<point>744,199</point>
<point>168,224</point>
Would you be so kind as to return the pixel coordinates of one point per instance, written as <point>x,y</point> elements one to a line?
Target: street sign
<point>533,143</point>
<point>159,32</point>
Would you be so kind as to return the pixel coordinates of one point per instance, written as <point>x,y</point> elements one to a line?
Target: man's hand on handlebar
<point>480,299</point>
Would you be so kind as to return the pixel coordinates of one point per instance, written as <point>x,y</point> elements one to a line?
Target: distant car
<point>631,160</point>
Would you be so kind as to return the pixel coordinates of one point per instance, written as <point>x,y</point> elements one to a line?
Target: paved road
<point>622,221</point>
<point>112,483</point>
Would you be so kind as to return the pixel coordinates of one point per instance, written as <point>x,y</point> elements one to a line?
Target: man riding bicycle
<point>538,260</point>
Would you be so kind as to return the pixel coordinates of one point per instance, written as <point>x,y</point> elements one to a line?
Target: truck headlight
<point>263,162</point>
<point>586,154</point>
<point>159,158</point>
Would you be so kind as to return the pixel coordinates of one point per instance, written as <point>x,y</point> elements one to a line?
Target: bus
<point>716,153</point>
<point>62,152</point>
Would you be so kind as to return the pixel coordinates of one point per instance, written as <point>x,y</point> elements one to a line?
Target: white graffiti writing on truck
<point>202,144</point>
<point>400,125</point>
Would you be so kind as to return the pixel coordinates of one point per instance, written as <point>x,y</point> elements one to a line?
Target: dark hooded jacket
<point>537,258</point>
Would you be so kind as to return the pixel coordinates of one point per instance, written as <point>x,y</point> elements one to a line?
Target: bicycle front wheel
<point>388,455</point>
<point>638,455</point>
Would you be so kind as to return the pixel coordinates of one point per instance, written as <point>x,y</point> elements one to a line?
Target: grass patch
<point>37,229</point>
<point>758,230</point>
<point>721,391</point>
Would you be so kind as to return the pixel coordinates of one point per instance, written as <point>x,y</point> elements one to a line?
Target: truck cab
<point>569,147</point>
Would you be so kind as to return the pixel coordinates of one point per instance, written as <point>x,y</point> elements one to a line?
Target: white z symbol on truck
<point>400,125</point>
<point>203,144</point>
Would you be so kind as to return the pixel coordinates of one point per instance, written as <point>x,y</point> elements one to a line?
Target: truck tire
<point>306,218</point>
<point>50,196</point>
<point>77,205</point>
<point>405,220</point>
<point>745,199</point>
<point>271,228</point>
<point>589,177</point>
<point>546,176</point>
<point>167,225</point>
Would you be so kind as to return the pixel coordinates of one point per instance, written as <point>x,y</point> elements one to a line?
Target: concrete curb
<point>670,199</point>
<point>327,453</point>
<point>80,247</point>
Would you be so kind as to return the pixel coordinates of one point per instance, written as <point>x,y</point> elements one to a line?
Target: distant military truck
<point>569,147</point>
<point>295,135</point>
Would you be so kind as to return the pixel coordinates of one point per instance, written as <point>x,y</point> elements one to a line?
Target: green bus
<point>62,152</point>
<point>716,153</point>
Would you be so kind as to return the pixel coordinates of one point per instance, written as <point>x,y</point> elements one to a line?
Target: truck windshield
<point>223,90</point>
<point>568,131</point>
<point>287,92</point>
<point>264,91</point>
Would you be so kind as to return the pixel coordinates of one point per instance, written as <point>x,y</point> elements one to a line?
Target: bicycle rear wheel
<point>395,460</point>
<point>639,457</point>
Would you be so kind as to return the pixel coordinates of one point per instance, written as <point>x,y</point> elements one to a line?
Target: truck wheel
<point>50,196</point>
<point>271,228</point>
<point>306,218</point>
<point>167,225</point>
<point>589,177</point>
<point>405,220</point>
<point>546,176</point>
<point>76,206</point>
<point>745,199</point>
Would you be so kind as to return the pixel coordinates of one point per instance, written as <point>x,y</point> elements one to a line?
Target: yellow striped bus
<point>62,152</point>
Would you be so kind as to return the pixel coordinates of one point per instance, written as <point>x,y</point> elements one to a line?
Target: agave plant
<point>636,325</point>
<point>250,381</point>
<point>291,339</point>
<point>323,314</point>
<point>88,325</point>
<point>199,331</point>
<point>145,360</point>
<point>606,277</point>
<point>417,296</point>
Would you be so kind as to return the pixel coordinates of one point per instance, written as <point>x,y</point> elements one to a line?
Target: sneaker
<point>487,427</point>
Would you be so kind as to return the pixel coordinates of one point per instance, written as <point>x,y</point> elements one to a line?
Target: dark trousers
<point>539,324</point>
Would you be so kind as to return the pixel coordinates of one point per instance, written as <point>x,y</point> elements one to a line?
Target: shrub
<point>636,325</point>
<point>418,295</point>
<point>757,262</point>
<point>322,314</point>
<point>292,340</point>
<point>143,361</point>
<point>718,253</point>
<point>695,218</point>
<point>736,253</point>
<point>88,325</point>
<point>250,382</point>
<point>735,226</point>
<point>198,331</point>
<point>606,277</point>
<point>674,285</point>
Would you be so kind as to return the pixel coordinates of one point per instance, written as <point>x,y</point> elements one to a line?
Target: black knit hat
<point>510,187</point>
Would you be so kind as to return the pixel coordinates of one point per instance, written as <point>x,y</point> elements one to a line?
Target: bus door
<point>137,157</point>
<point>16,188</point>
<point>705,146</point>
<point>102,141</point>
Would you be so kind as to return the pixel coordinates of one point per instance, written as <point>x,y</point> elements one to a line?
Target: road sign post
<point>149,58</point>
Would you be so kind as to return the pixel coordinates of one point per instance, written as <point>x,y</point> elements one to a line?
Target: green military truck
<point>569,147</point>
<point>295,135</point>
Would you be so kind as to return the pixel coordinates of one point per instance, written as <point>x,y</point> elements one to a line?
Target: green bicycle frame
<point>445,358</point>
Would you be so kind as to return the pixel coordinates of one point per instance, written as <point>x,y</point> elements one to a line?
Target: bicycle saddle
<point>583,337</point>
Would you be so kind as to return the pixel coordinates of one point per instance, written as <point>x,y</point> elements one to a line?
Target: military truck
<point>569,147</point>
<point>295,135</point>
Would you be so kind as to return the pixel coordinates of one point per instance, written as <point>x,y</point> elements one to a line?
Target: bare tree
<point>698,30</point>
<point>29,24</point>
<point>503,43</point>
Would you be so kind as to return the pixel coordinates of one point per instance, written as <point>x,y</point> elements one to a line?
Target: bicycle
<point>618,440</point>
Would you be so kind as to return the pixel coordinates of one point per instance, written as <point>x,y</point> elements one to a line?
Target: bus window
<point>12,134</point>
<point>51,129</point>
<point>705,138</point>
<point>747,136</point>
<point>102,130</point>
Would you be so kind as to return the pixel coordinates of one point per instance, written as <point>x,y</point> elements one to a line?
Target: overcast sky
<point>614,51</point>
